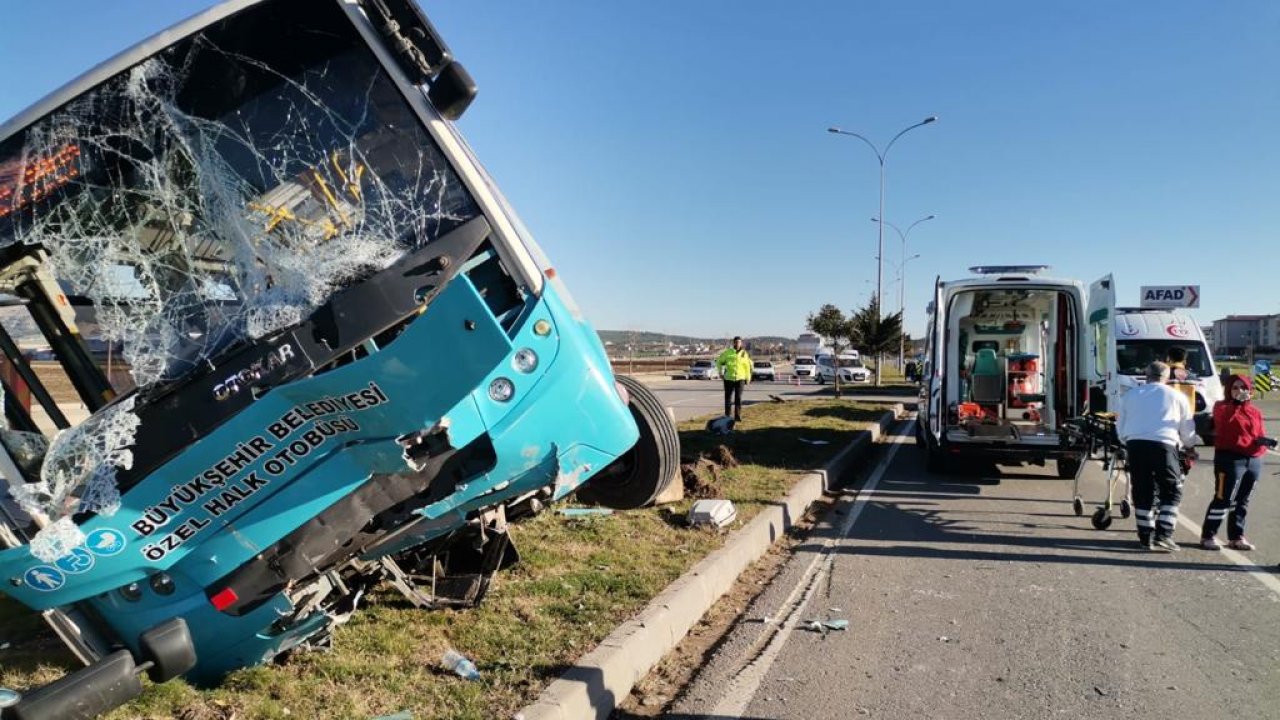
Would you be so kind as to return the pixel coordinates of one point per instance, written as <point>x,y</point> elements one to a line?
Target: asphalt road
<point>971,599</point>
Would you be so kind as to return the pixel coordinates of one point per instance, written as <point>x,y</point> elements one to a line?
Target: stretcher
<point>1097,431</point>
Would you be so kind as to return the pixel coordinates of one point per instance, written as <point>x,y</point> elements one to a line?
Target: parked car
<point>854,371</point>
<point>762,370</point>
<point>703,370</point>
<point>805,367</point>
<point>849,365</point>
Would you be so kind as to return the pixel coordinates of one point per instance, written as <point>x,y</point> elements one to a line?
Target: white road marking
<point>742,689</point>
<point>1266,577</point>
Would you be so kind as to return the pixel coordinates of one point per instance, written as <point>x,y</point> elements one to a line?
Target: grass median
<point>576,581</point>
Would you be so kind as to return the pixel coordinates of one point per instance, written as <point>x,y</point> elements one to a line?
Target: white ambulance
<point>1136,338</point>
<point>1009,359</point>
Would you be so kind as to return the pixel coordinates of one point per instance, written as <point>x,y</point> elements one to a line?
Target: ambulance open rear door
<point>1101,346</point>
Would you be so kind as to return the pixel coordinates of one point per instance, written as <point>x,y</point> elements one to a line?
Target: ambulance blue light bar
<point>1007,269</point>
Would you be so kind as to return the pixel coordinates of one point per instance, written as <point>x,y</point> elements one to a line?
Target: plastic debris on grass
<point>584,512</point>
<point>712,513</point>
<point>8,698</point>
<point>722,425</point>
<point>460,665</point>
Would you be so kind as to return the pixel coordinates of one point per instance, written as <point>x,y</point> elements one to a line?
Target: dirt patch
<point>701,478</point>
<point>724,456</point>
<point>656,693</point>
<point>701,474</point>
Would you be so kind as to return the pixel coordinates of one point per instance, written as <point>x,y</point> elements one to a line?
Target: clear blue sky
<point>672,157</point>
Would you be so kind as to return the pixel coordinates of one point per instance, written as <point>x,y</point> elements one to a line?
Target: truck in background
<point>809,345</point>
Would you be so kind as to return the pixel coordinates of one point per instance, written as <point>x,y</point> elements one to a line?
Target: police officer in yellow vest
<point>734,365</point>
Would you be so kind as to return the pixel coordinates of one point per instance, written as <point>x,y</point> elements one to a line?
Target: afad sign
<point>1171,296</point>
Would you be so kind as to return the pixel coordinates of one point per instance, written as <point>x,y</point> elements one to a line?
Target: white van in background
<point>1140,336</point>
<point>805,367</point>
<point>847,364</point>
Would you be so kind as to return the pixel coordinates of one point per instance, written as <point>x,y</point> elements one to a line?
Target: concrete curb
<point>602,678</point>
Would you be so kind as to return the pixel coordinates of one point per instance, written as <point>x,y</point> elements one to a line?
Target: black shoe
<point>1165,544</point>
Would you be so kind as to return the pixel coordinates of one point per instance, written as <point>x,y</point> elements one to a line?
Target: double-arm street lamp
<point>902,286</point>
<point>881,155</point>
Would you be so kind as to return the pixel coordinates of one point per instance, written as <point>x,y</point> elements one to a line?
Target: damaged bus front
<point>335,356</point>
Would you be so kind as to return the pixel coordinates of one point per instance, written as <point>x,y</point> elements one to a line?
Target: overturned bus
<point>346,360</point>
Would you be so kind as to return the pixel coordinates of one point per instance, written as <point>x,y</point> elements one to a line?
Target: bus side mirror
<point>452,91</point>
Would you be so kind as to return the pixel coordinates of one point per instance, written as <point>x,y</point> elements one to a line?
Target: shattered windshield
<point>216,192</point>
<point>224,188</point>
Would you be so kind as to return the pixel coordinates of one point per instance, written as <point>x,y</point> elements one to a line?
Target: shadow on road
<point>911,514</point>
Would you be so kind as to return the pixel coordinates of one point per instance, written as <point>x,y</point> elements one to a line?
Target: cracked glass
<point>217,192</point>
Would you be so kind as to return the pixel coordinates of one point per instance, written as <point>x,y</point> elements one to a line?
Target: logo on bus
<point>237,382</point>
<point>44,578</point>
<point>105,542</point>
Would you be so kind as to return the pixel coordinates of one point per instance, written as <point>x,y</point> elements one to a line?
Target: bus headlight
<point>501,390</point>
<point>525,360</point>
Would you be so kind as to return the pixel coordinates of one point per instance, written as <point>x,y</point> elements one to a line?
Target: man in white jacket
<point>1155,422</point>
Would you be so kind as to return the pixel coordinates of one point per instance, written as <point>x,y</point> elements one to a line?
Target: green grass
<point>577,580</point>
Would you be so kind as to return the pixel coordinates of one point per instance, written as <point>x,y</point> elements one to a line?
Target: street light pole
<point>902,286</point>
<point>881,155</point>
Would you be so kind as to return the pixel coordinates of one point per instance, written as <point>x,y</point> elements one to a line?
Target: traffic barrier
<point>1264,383</point>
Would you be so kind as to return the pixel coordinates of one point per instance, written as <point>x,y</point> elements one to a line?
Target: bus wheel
<point>643,472</point>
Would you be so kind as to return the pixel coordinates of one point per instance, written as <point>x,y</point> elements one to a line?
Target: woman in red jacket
<point>1238,446</point>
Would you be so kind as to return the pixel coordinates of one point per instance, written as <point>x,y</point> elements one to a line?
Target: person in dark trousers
<point>735,367</point>
<point>1155,422</point>
<point>1238,447</point>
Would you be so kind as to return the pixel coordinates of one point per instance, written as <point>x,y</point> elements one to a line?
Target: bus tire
<point>642,473</point>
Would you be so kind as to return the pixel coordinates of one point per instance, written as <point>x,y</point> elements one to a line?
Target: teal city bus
<point>334,357</point>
